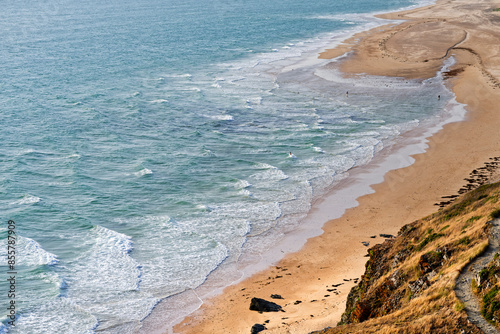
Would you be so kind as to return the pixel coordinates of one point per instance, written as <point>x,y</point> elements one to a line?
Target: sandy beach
<point>314,282</point>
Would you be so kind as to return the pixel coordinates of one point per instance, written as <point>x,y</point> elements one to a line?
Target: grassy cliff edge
<point>409,281</point>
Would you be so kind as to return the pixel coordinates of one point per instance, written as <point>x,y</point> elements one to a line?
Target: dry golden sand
<point>415,48</point>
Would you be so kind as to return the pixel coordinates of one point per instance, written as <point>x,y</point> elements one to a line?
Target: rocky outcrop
<point>382,287</point>
<point>262,305</point>
<point>385,286</point>
<point>257,328</point>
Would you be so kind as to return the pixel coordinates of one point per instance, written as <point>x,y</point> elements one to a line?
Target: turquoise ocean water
<point>146,143</point>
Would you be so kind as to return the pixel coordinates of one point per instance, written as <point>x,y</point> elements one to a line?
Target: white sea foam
<point>262,211</point>
<point>25,151</point>
<point>105,265</point>
<point>208,153</point>
<point>176,75</point>
<point>109,238</point>
<point>159,101</point>
<point>58,316</point>
<point>332,74</point>
<point>222,117</point>
<point>263,165</point>
<point>31,253</point>
<point>177,256</point>
<point>26,200</point>
<point>318,149</point>
<point>347,17</point>
<point>106,259</point>
<point>144,171</point>
<point>204,207</point>
<point>242,184</point>
<point>245,192</point>
<point>255,100</point>
<point>270,174</point>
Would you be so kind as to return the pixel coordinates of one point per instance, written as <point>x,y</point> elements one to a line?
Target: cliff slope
<point>409,281</point>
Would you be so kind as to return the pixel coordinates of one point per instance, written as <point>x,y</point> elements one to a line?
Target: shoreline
<point>175,308</point>
<point>302,275</point>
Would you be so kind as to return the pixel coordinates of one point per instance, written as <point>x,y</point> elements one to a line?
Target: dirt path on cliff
<point>463,287</point>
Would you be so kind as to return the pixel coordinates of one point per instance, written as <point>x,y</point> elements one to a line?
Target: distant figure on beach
<point>346,94</point>
<point>439,97</point>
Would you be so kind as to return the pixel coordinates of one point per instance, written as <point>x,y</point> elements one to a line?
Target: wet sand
<point>314,282</point>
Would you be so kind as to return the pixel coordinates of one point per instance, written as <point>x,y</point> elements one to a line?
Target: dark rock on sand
<point>273,296</point>
<point>257,328</point>
<point>262,305</point>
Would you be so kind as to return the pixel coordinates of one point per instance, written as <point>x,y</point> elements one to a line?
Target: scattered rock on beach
<point>388,236</point>
<point>273,296</point>
<point>257,328</point>
<point>262,305</point>
<point>478,177</point>
<point>365,243</point>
